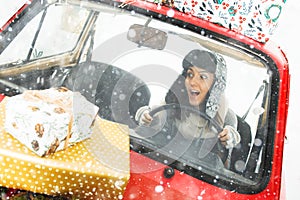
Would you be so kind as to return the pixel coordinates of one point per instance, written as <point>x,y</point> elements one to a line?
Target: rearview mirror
<point>147,36</point>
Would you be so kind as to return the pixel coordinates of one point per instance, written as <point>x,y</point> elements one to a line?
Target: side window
<point>39,35</point>
<point>67,29</point>
<point>20,46</point>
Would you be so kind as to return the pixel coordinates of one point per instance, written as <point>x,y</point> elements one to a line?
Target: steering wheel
<point>212,121</point>
<point>177,106</point>
<point>148,131</point>
<point>152,130</point>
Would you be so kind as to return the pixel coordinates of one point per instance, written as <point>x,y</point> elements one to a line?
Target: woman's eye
<point>203,76</point>
<point>190,74</point>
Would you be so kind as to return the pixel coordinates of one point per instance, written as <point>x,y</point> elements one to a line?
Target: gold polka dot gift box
<point>92,165</point>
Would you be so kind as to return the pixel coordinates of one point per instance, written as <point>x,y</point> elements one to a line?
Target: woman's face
<point>198,82</point>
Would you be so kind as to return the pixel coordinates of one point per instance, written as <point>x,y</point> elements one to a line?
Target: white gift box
<point>49,120</point>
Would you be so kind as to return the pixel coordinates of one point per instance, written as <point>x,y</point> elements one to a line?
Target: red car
<point>126,55</point>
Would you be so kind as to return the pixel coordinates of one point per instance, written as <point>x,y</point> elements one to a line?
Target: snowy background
<point>286,37</point>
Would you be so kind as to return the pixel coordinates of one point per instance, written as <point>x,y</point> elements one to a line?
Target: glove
<point>142,115</point>
<point>234,137</point>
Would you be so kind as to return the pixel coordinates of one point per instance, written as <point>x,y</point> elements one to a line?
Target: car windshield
<point>123,61</point>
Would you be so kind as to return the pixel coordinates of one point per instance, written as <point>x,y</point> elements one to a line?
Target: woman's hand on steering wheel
<point>224,136</point>
<point>143,117</point>
<point>228,138</point>
<point>146,118</point>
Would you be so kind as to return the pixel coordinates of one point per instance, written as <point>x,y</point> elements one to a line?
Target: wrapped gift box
<point>254,19</point>
<point>49,120</point>
<point>95,168</point>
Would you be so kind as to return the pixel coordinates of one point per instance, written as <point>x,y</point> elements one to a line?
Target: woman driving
<point>201,87</point>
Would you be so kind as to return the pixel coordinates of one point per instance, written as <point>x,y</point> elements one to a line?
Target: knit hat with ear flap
<point>213,63</point>
<point>200,58</point>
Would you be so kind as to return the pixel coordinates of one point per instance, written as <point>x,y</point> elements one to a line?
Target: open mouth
<point>194,92</point>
